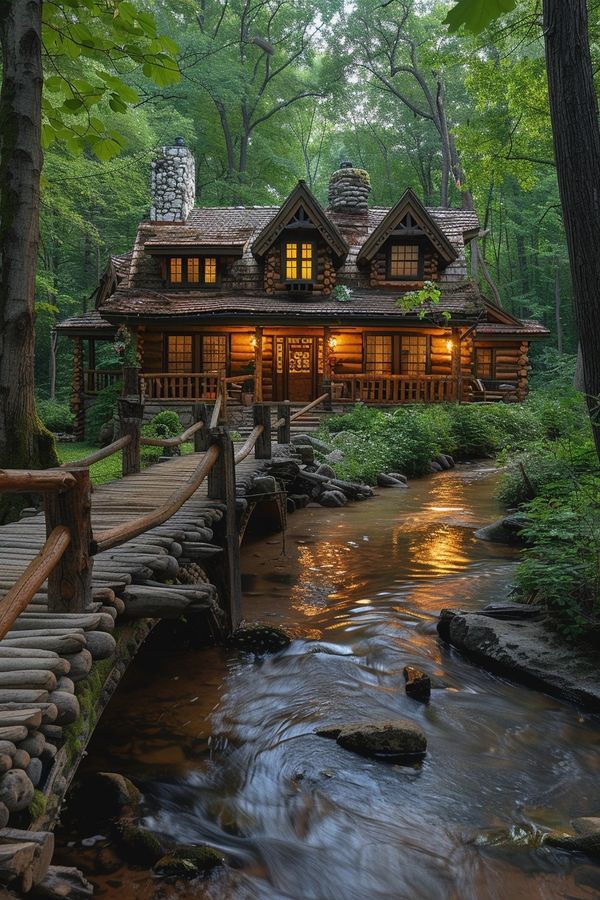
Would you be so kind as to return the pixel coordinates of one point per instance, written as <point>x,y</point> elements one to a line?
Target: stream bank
<point>225,751</point>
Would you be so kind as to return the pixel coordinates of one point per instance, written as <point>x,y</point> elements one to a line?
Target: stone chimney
<point>349,190</point>
<point>173,184</point>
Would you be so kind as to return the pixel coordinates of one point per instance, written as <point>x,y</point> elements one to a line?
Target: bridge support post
<point>283,432</point>
<point>327,405</point>
<point>70,582</point>
<point>221,486</point>
<point>202,436</point>
<point>131,411</point>
<point>262,416</point>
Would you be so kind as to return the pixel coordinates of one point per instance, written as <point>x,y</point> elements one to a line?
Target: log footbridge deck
<point>83,583</point>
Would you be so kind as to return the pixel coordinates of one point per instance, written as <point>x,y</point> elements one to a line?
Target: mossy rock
<point>137,845</point>
<point>260,639</point>
<point>579,843</point>
<point>188,861</point>
<point>105,796</point>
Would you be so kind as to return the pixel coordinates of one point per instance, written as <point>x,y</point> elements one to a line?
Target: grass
<point>108,469</point>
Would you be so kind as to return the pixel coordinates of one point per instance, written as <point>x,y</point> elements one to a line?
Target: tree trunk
<point>52,363</point>
<point>24,443</point>
<point>576,135</point>
<point>559,329</point>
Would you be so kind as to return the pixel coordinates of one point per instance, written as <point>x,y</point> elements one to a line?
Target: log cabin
<point>286,299</point>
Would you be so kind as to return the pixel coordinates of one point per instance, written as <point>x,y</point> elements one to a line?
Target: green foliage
<point>165,424</point>
<point>37,807</point>
<point>423,301</point>
<point>477,14</point>
<point>103,410</point>
<point>55,416</point>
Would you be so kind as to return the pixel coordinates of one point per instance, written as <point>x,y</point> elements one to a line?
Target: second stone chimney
<point>173,184</point>
<point>349,190</point>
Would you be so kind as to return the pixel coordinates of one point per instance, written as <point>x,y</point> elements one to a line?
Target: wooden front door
<point>300,368</point>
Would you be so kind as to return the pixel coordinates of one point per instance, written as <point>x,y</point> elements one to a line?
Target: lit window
<point>179,353</point>
<point>176,270</point>
<point>291,261</point>
<point>306,259</point>
<point>210,270</point>
<point>404,260</point>
<point>413,355</point>
<point>193,269</point>
<point>214,352</point>
<point>379,354</point>
<point>484,363</point>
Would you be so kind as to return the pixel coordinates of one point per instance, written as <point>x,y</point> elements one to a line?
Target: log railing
<point>396,389</point>
<point>181,385</point>
<point>95,380</point>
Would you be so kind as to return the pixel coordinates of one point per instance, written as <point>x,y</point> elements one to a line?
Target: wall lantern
<point>449,346</point>
<point>332,343</point>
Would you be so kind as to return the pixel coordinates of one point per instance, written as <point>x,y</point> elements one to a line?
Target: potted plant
<point>247,394</point>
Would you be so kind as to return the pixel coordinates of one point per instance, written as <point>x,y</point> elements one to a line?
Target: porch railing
<point>375,388</point>
<point>180,385</point>
<point>95,380</point>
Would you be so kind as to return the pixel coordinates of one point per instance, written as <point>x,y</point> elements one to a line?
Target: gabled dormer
<point>407,247</point>
<point>300,247</point>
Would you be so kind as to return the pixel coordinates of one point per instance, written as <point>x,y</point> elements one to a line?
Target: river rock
<point>4,815</point>
<point>333,498</point>
<point>189,861</point>
<point>300,500</point>
<point>16,790</point>
<point>504,531</point>
<point>579,843</point>
<point>336,456</point>
<point>64,883</point>
<point>110,796</point>
<point>259,639</point>
<point>100,644</point>
<point>441,460</point>
<point>325,470</point>
<point>399,477</point>
<point>418,684</point>
<point>264,484</point>
<point>399,738</point>
<point>67,705</point>
<point>435,466</point>
<point>528,651</point>
<point>5,762</point>
<point>33,744</point>
<point>21,759</point>
<point>308,439</point>
<point>586,824</point>
<point>34,771</point>
<point>384,480</point>
<point>306,452</point>
<point>80,665</point>
<point>138,845</point>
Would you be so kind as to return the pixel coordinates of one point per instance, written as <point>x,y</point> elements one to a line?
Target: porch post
<point>457,363</point>
<point>326,386</point>
<point>77,390</point>
<point>258,359</point>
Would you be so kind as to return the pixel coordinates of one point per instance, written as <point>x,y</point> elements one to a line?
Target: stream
<point>225,751</point>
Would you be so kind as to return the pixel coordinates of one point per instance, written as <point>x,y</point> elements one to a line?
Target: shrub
<point>164,424</point>
<point>55,416</point>
<point>104,410</point>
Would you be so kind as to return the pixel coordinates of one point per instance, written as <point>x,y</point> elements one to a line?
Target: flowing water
<point>226,749</point>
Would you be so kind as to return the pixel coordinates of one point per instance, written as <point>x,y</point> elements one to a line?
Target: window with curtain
<point>214,352</point>
<point>413,354</point>
<point>180,355</point>
<point>404,261</point>
<point>378,357</point>
<point>298,260</point>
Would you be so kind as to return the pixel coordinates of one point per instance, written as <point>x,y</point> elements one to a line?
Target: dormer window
<point>192,270</point>
<point>298,261</point>
<point>405,261</point>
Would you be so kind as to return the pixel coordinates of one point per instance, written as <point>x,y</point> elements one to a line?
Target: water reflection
<point>300,818</point>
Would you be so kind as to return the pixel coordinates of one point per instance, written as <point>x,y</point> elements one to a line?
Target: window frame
<point>179,334</point>
<point>420,260</point>
<point>213,334</point>
<point>492,352</point>
<point>396,357</point>
<point>298,241</point>
<point>184,283</point>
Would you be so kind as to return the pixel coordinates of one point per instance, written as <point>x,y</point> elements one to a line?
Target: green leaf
<point>476,15</point>
<point>56,84</point>
<point>105,149</point>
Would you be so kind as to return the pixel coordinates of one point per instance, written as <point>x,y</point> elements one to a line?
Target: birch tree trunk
<point>24,443</point>
<point>576,135</point>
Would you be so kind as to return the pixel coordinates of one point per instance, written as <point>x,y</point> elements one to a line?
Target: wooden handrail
<point>306,408</point>
<point>174,441</point>
<point>249,444</point>
<point>232,379</point>
<point>20,595</point>
<point>216,412</point>
<point>213,373</point>
<point>87,461</point>
<point>112,537</point>
<point>377,376</point>
<point>42,481</point>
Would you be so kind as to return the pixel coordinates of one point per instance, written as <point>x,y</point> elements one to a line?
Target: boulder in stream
<point>64,883</point>
<point>399,739</point>
<point>577,843</point>
<point>384,480</point>
<point>259,639</point>
<point>108,796</point>
<point>503,531</point>
<point>332,498</point>
<point>418,684</point>
<point>189,861</point>
<point>137,844</point>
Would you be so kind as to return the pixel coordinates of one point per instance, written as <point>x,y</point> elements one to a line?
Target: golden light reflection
<point>324,577</point>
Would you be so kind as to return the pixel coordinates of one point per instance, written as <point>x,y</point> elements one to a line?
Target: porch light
<point>253,341</point>
<point>449,346</point>
<point>332,343</point>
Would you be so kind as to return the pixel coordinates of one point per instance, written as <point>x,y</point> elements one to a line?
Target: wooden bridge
<point>69,572</point>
